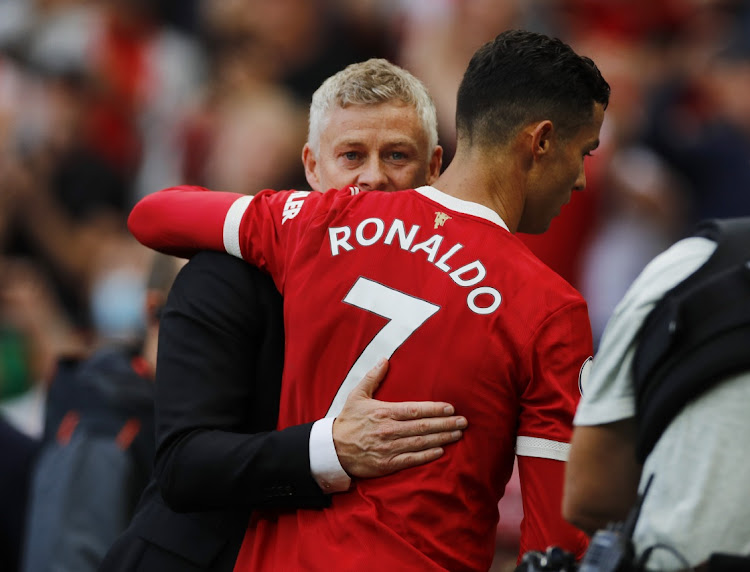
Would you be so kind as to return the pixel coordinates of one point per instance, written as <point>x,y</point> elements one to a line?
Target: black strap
<point>697,335</point>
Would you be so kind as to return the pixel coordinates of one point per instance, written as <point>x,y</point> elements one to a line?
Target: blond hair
<point>369,83</point>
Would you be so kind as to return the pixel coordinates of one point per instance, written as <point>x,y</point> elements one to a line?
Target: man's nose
<point>373,177</point>
<point>580,183</point>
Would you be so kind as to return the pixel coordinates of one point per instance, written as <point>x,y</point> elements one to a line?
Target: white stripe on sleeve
<point>543,448</point>
<point>232,225</point>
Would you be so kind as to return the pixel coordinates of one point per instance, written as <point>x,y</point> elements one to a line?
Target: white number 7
<point>405,314</point>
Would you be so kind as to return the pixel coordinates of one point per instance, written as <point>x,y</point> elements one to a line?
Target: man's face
<point>375,147</point>
<point>560,172</point>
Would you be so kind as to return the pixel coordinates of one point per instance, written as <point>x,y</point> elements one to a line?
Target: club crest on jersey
<point>440,219</point>
<point>293,205</point>
<point>584,372</point>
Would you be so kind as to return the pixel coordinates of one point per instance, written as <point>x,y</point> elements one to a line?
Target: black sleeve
<point>218,381</point>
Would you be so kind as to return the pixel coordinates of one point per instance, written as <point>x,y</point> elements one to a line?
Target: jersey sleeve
<point>182,220</point>
<point>262,229</point>
<point>557,358</point>
<point>543,524</point>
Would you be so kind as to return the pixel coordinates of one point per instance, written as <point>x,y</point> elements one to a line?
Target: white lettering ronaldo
<point>372,230</point>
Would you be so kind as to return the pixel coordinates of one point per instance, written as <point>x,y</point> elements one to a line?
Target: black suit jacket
<point>218,382</point>
<point>19,453</point>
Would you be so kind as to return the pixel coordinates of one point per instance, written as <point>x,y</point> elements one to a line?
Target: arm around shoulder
<point>182,220</point>
<point>217,394</point>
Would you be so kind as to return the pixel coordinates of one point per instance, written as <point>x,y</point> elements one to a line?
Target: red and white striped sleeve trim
<point>542,448</point>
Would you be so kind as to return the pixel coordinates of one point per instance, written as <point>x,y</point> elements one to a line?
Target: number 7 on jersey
<point>405,314</point>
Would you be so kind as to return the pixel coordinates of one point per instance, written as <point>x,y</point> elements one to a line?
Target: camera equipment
<point>610,550</point>
<point>554,559</point>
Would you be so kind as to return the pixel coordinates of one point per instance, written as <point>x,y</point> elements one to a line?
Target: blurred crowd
<point>104,101</point>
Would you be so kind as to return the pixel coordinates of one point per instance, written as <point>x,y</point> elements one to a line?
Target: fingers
<point>406,410</point>
<point>420,443</point>
<point>386,454</point>
<point>375,438</point>
<point>414,451</point>
<point>372,380</point>
<point>408,460</point>
<point>432,430</point>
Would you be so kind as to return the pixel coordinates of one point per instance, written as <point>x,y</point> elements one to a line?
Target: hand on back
<point>375,438</point>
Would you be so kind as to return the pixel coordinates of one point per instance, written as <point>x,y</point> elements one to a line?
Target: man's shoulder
<point>210,260</point>
<point>219,282</point>
<point>223,268</point>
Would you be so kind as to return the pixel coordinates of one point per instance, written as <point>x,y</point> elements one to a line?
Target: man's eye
<point>351,155</point>
<point>398,156</point>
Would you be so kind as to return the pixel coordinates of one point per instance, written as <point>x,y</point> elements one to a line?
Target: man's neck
<point>472,177</point>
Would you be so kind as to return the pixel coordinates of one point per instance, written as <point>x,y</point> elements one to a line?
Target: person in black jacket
<point>220,359</point>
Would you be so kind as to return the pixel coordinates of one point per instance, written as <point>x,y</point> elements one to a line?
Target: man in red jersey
<point>434,280</point>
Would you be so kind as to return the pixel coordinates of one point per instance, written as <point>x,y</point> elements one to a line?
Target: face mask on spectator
<point>116,305</point>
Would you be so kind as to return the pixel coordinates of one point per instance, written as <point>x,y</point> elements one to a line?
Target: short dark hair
<point>521,77</point>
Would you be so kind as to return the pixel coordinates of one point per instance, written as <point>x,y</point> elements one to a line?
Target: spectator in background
<point>242,114</point>
<point>60,216</point>
<point>698,118</point>
<point>97,449</point>
<point>642,212</point>
<point>73,151</point>
<point>662,165</point>
<point>34,332</point>
<point>265,124</point>
<point>297,43</point>
<point>140,76</point>
<point>436,41</point>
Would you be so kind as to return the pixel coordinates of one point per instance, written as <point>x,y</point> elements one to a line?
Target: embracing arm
<point>217,394</point>
<point>182,220</point>
<point>218,391</point>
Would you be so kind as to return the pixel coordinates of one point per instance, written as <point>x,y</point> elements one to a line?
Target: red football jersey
<point>465,313</point>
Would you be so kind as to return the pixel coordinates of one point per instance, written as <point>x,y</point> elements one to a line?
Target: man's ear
<point>541,137</point>
<point>311,167</point>
<point>436,163</point>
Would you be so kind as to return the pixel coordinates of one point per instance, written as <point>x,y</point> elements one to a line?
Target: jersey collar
<point>462,206</point>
